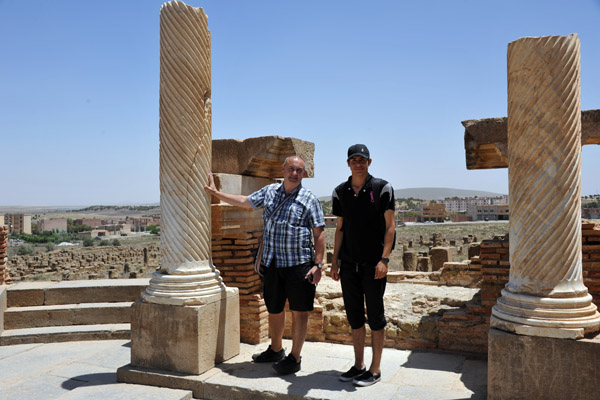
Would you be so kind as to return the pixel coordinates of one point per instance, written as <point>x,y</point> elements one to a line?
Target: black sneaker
<point>351,374</point>
<point>287,366</point>
<point>366,379</point>
<point>269,356</point>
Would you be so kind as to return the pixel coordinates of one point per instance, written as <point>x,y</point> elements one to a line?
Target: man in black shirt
<point>364,239</point>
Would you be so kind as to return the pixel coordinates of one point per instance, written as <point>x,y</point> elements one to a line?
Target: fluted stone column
<point>187,275</point>
<point>545,295</point>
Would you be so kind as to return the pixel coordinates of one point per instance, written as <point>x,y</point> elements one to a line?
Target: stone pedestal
<point>439,256</point>
<point>188,339</point>
<point>409,259</point>
<point>424,264</point>
<point>531,367</point>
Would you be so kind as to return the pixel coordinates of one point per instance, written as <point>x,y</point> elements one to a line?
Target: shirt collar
<point>367,186</point>
<point>281,189</point>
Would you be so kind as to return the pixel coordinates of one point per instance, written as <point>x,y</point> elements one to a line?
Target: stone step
<point>67,314</point>
<point>25,294</point>
<point>53,334</point>
<point>125,391</point>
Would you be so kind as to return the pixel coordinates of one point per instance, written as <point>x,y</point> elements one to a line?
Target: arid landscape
<point>105,257</point>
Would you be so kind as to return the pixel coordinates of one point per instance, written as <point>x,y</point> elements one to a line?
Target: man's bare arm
<point>337,244</point>
<point>381,269</point>
<point>319,236</point>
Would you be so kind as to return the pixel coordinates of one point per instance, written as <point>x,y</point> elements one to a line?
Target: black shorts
<point>288,283</point>
<point>359,286</point>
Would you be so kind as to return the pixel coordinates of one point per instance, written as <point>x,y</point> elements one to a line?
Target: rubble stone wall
<point>82,263</point>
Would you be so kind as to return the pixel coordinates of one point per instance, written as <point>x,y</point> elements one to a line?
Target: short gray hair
<point>294,156</point>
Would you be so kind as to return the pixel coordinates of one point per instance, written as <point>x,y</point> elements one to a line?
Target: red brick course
<point>468,331</point>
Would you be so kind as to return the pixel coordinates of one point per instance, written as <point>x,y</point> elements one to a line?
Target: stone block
<point>474,250</point>
<point>424,264</point>
<point>239,184</point>
<point>260,156</point>
<point>532,367</point>
<point>27,294</point>
<point>440,255</point>
<point>409,259</point>
<point>227,220</point>
<point>187,339</point>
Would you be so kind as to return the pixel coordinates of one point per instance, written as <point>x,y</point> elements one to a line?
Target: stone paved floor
<point>87,370</point>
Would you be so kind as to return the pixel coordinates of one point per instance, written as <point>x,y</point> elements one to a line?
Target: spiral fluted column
<point>185,157</point>
<point>545,295</point>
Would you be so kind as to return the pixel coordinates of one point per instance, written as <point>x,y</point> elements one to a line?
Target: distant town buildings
<point>52,225</point>
<point>17,223</point>
<point>435,212</point>
<point>116,227</point>
<point>462,204</point>
<point>94,233</point>
<point>458,209</point>
<point>93,222</point>
<point>140,224</point>
<point>489,212</point>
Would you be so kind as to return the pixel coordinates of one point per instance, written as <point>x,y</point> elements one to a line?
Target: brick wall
<point>233,255</point>
<point>466,330</point>
<point>591,259</point>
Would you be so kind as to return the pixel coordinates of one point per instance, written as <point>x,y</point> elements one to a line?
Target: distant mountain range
<point>432,193</point>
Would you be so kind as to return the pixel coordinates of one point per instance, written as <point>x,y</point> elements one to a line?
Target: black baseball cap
<point>358,150</point>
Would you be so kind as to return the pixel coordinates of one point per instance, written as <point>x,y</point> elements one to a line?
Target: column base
<point>188,339</point>
<point>184,289</point>
<point>526,367</point>
<point>564,318</point>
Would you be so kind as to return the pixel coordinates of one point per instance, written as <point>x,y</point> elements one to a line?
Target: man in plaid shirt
<point>291,263</point>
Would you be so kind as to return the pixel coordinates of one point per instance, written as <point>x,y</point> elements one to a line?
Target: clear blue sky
<point>79,88</point>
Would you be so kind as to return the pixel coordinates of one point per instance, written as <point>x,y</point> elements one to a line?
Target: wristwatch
<point>319,266</point>
<point>385,259</point>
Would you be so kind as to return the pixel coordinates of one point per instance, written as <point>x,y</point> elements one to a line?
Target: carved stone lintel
<point>260,156</point>
<point>486,140</point>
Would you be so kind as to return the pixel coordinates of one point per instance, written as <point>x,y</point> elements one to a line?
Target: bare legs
<point>358,341</point>
<point>276,326</point>
<point>299,329</point>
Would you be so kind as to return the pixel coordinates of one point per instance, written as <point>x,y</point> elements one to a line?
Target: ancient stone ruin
<point>539,291</point>
<point>545,296</point>
<point>187,291</point>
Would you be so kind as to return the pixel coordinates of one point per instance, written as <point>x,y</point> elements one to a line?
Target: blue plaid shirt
<point>288,234</point>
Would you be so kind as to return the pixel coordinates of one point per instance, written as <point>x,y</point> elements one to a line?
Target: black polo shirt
<point>364,223</point>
